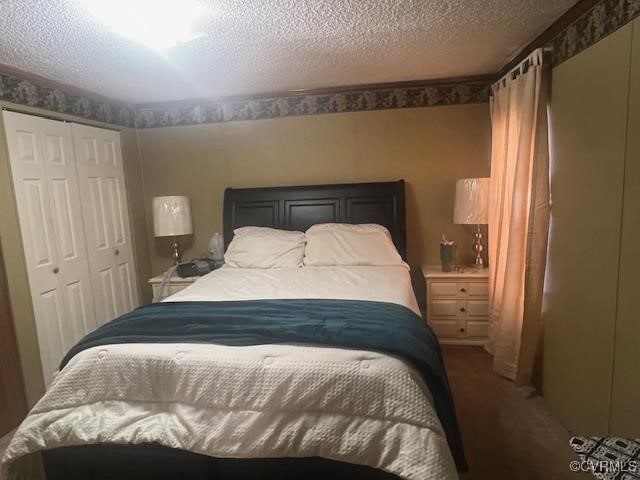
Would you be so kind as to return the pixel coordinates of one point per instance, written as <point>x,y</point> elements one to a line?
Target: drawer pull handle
<point>462,330</point>
<point>462,309</point>
<point>56,270</point>
<point>463,290</point>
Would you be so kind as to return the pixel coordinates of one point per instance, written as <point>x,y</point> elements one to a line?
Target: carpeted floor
<point>508,434</point>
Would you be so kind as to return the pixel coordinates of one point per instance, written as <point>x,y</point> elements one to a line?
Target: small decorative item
<point>216,249</point>
<point>172,218</point>
<point>447,254</point>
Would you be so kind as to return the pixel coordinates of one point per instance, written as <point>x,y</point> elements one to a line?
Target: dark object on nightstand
<point>447,257</point>
<point>196,268</point>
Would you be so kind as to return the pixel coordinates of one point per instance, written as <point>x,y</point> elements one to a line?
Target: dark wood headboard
<point>299,207</point>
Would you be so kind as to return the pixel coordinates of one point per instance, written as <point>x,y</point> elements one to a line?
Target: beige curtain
<point>518,217</point>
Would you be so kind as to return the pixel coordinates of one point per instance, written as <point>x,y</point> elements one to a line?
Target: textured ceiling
<point>253,46</point>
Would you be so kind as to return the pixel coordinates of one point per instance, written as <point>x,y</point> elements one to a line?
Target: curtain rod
<point>524,65</point>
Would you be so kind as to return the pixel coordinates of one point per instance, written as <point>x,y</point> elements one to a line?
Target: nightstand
<point>458,305</point>
<point>173,285</point>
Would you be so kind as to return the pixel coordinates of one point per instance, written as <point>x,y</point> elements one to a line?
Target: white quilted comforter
<point>261,401</point>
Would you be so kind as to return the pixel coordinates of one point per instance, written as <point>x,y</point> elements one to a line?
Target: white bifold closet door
<point>47,194</point>
<point>104,206</point>
<point>75,285</point>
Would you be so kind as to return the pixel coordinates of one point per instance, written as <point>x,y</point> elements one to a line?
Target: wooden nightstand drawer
<point>459,329</point>
<point>477,289</point>
<point>443,289</point>
<point>477,308</point>
<point>447,308</point>
<point>444,328</point>
<point>477,329</point>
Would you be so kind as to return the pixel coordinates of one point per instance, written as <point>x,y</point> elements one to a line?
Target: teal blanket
<point>360,325</point>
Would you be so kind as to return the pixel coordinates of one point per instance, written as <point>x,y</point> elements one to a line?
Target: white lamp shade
<point>472,201</point>
<point>172,216</point>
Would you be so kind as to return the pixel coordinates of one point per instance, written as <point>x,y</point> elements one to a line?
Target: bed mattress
<point>263,401</point>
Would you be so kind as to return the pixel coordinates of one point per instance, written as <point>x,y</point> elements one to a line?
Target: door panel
<point>75,298</point>
<point>55,149</point>
<point>98,237</point>
<point>110,157</point>
<point>101,180</point>
<point>90,150</point>
<point>50,316</point>
<point>125,287</point>
<point>26,146</point>
<point>46,185</point>
<point>115,211</point>
<point>110,304</point>
<point>64,222</point>
<point>37,218</point>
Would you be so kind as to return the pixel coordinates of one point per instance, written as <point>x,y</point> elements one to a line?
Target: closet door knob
<point>462,330</point>
<point>56,270</point>
<point>117,252</point>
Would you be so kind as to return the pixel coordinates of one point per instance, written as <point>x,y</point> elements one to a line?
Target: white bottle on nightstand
<point>216,248</point>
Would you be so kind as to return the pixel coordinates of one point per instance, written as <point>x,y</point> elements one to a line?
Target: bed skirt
<point>155,462</point>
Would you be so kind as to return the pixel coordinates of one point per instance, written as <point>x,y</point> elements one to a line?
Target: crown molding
<point>429,93</point>
<point>301,92</point>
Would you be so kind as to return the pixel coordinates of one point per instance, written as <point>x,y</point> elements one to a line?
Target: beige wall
<point>429,147</point>
<point>11,241</point>
<point>138,219</point>
<point>589,321</point>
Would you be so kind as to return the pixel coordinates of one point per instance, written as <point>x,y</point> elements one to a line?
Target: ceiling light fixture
<point>158,24</point>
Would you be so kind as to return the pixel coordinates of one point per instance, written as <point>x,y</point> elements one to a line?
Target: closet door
<point>104,207</point>
<point>45,182</point>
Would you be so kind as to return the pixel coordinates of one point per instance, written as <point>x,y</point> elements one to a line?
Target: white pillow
<point>344,244</point>
<point>261,247</point>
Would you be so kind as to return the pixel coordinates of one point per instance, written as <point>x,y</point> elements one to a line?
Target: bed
<point>285,404</point>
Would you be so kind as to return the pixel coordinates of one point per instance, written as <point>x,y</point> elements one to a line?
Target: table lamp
<point>171,218</point>
<point>471,208</point>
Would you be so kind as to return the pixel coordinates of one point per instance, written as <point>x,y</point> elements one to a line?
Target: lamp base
<point>176,254</point>
<point>478,248</point>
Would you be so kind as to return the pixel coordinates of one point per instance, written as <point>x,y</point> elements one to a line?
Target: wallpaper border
<point>30,93</point>
<point>603,19</point>
<point>181,113</point>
